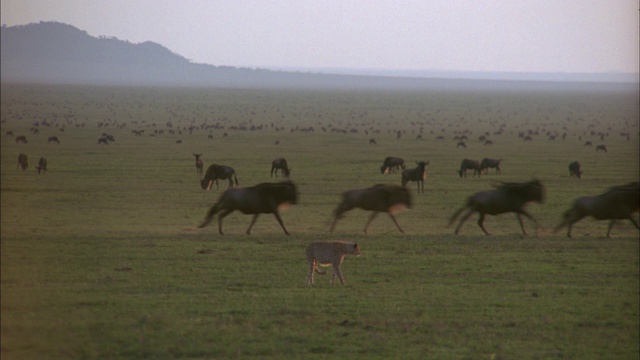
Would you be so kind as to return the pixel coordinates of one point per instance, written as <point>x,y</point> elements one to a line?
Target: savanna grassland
<point>102,256</point>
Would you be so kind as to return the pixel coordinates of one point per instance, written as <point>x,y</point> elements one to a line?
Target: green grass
<point>102,257</point>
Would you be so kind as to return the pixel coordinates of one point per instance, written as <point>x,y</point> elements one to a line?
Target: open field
<point>102,257</point>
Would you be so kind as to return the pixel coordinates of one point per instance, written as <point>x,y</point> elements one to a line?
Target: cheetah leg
<point>336,271</point>
<point>311,270</point>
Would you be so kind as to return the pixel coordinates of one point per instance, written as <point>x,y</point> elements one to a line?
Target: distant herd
<point>617,203</point>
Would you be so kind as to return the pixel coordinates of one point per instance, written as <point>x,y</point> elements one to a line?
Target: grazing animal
<point>263,198</point>
<point>528,138</point>
<point>23,162</point>
<point>103,140</point>
<point>416,174</point>
<point>373,142</point>
<point>215,172</point>
<point>53,139</point>
<point>617,203</point>
<point>461,144</point>
<point>508,197</point>
<point>21,139</point>
<point>467,164</point>
<point>42,165</point>
<point>601,147</point>
<point>588,143</point>
<point>379,198</point>
<point>199,164</point>
<point>280,164</point>
<point>392,164</point>
<point>488,142</point>
<point>487,163</point>
<point>574,169</point>
<point>9,133</point>
<point>329,253</point>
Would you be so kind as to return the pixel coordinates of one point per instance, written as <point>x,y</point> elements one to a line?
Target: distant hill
<point>52,52</point>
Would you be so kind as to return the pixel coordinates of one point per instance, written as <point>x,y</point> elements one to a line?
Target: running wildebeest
<point>21,139</point>
<point>601,147</point>
<point>392,164</point>
<point>574,169</point>
<point>467,164</point>
<point>487,163</point>
<point>53,139</point>
<point>379,198</point>
<point>416,174</point>
<point>263,198</point>
<point>199,164</point>
<point>23,162</point>
<point>508,197</point>
<point>280,164</point>
<point>42,165</point>
<point>215,172</point>
<point>617,203</point>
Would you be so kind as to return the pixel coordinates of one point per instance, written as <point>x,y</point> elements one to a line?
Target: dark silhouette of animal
<point>23,162</point>
<point>263,198</point>
<point>42,165</point>
<point>392,164</point>
<point>507,197</point>
<point>199,164</point>
<point>487,164</point>
<point>329,253</point>
<point>9,133</point>
<point>373,142</point>
<point>528,138</point>
<point>617,203</point>
<point>103,140</point>
<point>53,139</point>
<point>215,172</point>
<point>417,174</point>
<point>461,144</point>
<point>488,142</point>
<point>280,164</point>
<point>21,139</point>
<point>574,169</point>
<point>379,198</point>
<point>588,143</point>
<point>467,164</point>
<point>601,147</point>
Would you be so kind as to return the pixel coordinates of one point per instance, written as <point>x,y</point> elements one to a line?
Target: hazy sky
<point>475,35</point>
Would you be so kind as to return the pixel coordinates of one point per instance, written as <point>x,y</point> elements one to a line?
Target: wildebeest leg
<point>220,217</point>
<point>280,222</point>
<point>611,223</point>
<point>480,223</point>
<point>253,221</point>
<point>464,218</point>
<point>395,222</point>
<point>230,183</point>
<point>634,222</point>
<point>339,214</point>
<point>521,224</point>
<point>373,215</point>
<point>525,213</point>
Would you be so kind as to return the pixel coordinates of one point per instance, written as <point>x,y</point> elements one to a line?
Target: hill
<point>52,52</point>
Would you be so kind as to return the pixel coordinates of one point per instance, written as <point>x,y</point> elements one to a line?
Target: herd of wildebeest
<point>617,203</point>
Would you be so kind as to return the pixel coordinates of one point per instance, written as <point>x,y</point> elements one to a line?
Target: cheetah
<point>329,253</point>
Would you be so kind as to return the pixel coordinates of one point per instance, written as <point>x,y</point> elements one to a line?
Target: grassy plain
<point>102,258</point>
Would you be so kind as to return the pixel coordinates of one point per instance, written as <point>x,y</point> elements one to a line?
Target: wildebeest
<point>373,142</point>
<point>391,164</point>
<point>103,140</point>
<point>215,172</point>
<point>617,203</point>
<point>280,164</point>
<point>467,164</point>
<point>507,197</point>
<point>416,174</point>
<point>53,139</point>
<point>42,165</point>
<point>23,162</point>
<point>379,198</point>
<point>487,163</point>
<point>21,139</point>
<point>199,164</point>
<point>461,144</point>
<point>601,147</point>
<point>574,169</point>
<point>263,198</point>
